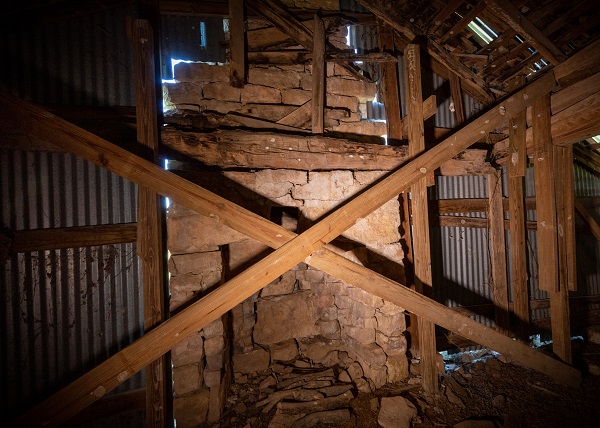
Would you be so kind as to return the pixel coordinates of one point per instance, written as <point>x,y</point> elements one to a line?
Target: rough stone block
<point>222,91</point>
<point>272,112</point>
<point>389,308</point>
<point>218,106</point>
<point>362,90</point>
<point>200,72</point>
<point>364,297</point>
<point>260,94</point>
<point>295,97</point>
<point>212,378</point>
<point>327,314</point>
<point>362,128</point>
<point>184,93</point>
<point>252,362</point>
<point>285,284</point>
<point>284,317</point>
<point>186,379</point>
<point>274,78</point>
<point>321,186</point>
<point>213,329</point>
<point>392,345</point>
<point>191,411</point>
<point>284,351</point>
<point>342,101</point>
<point>397,368</point>
<point>371,353</point>
<point>391,325</point>
<point>396,412</point>
<point>189,283</point>
<point>272,184</point>
<point>323,301</point>
<point>355,371</point>
<point>329,329</point>
<point>215,362</point>
<point>320,350</point>
<point>189,351</point>
<point>214,345</point>
<point>244,253</point>
<point>360,334</point>
<point>360,310</point>
<point>196,263</point>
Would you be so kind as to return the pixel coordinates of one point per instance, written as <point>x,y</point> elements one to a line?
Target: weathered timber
<point>474,222</point>
<point>429,109</point>
<point>587,218</point>
<point>237,45</point>
<point>508,13</point>
<point>298,117</point>
<point>442,15</point>
<point>565,217</point>
<point>587,157</point>
<point>452,206</point>
<point>120,367</point>
<point>420,231</point>
<point>318,76</point>
<point>517,128</point>
<point>257,123</point>
<point>389,82</point>
<point>472,83</point>
<point>73,237</point>
<point>462,23</point>
<point>234,148</point>
<point>149,238</point>
<point>459,111</point>
<point>545,195</point>
<point>498,251</point>
<point>114,404</point>
<point>548,257</point>
<point>583,64</point>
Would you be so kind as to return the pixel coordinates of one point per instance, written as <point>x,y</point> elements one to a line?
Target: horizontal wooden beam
<point>235,148</point>
<point>73,237</point>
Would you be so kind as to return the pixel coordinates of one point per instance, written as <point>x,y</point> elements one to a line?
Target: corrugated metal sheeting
<point>65,310</point>
<point>79,61</point>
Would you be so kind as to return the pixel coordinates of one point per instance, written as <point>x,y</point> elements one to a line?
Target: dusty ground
<point>489,389</point>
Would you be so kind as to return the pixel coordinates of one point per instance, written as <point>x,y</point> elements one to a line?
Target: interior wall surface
<point>65,310</point>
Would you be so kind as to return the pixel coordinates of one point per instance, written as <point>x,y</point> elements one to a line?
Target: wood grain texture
<point>73,237</point>
<point>456,93</point>
<point>237,44</point>
<point>150,243</point>
<point>497,248</point>
<point>508,13</point>
<point>318,76</point>
<point>565,209</point>
<point>543,161</point>
<point>389,82</point>
<point>420,214</point>
<point>120,367</point>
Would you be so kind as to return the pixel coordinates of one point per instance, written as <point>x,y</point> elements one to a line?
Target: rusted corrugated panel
<point>460,255</point>
<point>65,310</point>
<point>82,61</point>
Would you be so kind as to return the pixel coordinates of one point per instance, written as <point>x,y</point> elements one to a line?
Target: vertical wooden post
<point>517,166</point>
<point>421,241</point>
<point>237,45</point>
<point>149,243</point>
<point>455,91</point>
<point>391,102</point>
<point>498,251</point>
<point>565,207</point>
<point>389,84</point>
<point>547,230</point>
<point>318,76</point>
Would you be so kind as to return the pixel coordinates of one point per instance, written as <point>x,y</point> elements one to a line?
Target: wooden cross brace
<point>310,246</point>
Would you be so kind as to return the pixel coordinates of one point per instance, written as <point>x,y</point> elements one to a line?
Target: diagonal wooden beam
<point>292,250</point>
<point>386,12</point>
<point>509,14</point>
